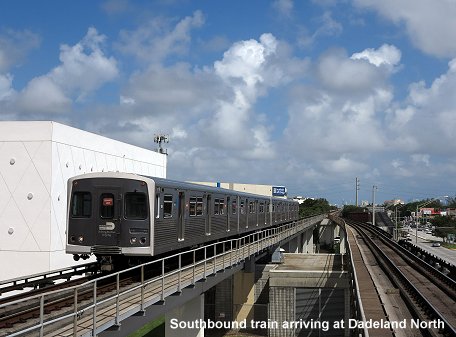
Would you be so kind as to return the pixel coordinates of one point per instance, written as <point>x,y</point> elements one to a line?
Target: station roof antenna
<point>160,139</point>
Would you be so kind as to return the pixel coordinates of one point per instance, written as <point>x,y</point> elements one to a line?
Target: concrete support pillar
<point>343,240</point>
<point>189,312</point>
<point>302,246</point>
<point>293,245</point>
<point>299,244</point>
<point>243,296</point>
<point>308,245</point>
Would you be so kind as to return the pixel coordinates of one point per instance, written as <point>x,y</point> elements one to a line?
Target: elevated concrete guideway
<point>133,305</point>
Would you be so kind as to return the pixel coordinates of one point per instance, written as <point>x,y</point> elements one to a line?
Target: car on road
<point>436,244</point>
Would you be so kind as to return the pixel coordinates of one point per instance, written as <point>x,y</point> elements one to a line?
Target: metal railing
<point>35,280</point>
<point>147,291</point>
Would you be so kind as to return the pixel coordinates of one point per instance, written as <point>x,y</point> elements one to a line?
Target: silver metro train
<point>127,217</point>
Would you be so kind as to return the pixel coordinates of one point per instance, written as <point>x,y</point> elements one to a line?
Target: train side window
<point>107,206</point>
<point>167,206</point>
<point>221,206</point>
<point>251,207</point>
<point>135,206</point>
<point>242,207</point>
<point>199,206</point>
<point>261,208</point>
<point>216,206</point>
<point>192,207</point>
<point>157,206</point>
<point>81,206</point>
<point>233,207</point>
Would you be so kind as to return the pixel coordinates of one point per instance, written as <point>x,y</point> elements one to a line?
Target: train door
<point>257,212</point>
<point>109,209</point>
<point>208,214</point>
<point>247,213</point>
<point>181,217</point>
<point>235,212</point>
<point>228,213</point>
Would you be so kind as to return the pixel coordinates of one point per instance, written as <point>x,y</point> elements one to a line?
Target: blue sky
<point>306,94</point>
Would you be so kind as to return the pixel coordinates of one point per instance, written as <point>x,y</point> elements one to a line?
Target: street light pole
<point>373,205</point>
<point>416,224</point>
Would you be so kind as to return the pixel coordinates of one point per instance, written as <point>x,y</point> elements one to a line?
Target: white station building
<point>36,160</point>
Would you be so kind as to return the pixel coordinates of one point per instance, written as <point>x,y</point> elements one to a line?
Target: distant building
<point>393,202</point>
<point>266,190</point>
<point>451,211</point>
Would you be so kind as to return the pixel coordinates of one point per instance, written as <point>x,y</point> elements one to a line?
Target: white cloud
<point>43,95</point>
<point>127,100</point>
<point>428,118</point>
<point>338,72</point>
<point>14,46</point>
<point>84,68</point>
<point>249,68</point>
<point>430,24</point>
<point>328,26</point>
<point>6,89</point>
<point>336,120</point>
<point>387,55</point>
<point>420,158</point>
<point>159,38</point>
<point>284,7</point>
<point>343,165</point>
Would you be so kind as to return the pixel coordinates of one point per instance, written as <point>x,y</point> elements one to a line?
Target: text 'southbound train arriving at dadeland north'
<point>126,218</point>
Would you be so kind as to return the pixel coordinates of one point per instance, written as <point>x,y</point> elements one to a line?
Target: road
<point>425,242</point>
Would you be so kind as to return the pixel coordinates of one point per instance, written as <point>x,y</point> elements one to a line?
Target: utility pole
<point>357,190</point>
<point>373,205</point>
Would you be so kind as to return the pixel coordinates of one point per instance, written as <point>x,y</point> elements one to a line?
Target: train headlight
<point>133,240</point>
<point>81,239</point>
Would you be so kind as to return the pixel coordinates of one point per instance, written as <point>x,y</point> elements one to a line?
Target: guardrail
<point>109,309</point>
<point>358,309</point>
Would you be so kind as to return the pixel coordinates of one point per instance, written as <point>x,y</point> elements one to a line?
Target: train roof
<point>178,184</point>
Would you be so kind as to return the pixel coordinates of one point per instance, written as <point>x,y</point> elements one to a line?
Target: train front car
<point>109,216</point>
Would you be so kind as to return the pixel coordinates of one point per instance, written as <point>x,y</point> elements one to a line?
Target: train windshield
<point>135,206</point>
<point>81,206</point>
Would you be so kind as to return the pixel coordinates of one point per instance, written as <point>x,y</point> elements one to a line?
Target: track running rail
<point>34,281</point>
<point>411,288</point>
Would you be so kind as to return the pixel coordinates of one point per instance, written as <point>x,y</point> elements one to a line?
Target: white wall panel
<point>25,263</point>
<point>77,155</point>
<point>111,163</point>
<point>32,199</point>
<point>13,222</point>
<point>15,161</point>
<point>91,164</point>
